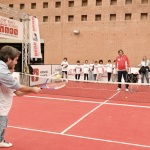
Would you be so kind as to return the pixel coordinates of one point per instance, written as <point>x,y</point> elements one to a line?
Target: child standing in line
<point>114,72</point>
<point>78,70</point>
<point>64,65</point>
<point>95,70</point>
<point>86,68</point>
<point>109,67</point>
<point>100,70</point>
<point>91,70</point>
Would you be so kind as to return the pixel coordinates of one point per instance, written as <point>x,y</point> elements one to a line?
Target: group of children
<point>93,71</point>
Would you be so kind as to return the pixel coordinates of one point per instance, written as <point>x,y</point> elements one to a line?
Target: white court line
<point>82,137</point>
<point>76,122</point>
<point>84,101</point>
<point>62,99</point>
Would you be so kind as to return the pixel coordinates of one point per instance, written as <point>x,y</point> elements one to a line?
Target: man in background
<point>122,65</point>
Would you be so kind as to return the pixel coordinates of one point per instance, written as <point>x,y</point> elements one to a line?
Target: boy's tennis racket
<point>54,84</point>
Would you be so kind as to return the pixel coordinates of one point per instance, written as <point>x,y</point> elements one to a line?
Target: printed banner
<point>34,38</point>
<point>11,29</point>
<point>40,70</point>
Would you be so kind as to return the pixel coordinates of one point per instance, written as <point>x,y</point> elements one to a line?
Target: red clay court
<point>55,121</point>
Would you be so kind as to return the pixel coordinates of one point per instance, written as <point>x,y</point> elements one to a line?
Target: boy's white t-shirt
<point>100,68</point>
<point>78,69</point>
<point>91,67</point>
<point>86,68</point>
<point>64,65</point>
<point>109,67</point>
<point>95,71</point>
<point>114,69</point>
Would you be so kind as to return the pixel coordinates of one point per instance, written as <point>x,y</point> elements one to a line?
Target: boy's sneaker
<point>119,89</point>
<point>5,144</point>
<point>127,90</point>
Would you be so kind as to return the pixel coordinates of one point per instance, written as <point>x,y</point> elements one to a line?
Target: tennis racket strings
<point>52,82</point>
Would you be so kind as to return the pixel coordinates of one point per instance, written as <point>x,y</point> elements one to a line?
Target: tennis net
<point>105,91</point>
<point>99,90</point>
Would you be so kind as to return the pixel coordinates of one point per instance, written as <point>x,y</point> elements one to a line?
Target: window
<point>33,5</point>
<point>45,5</point>
<point>11,5</point>
<point>112,17</point>
<point>70,18</point>
<point>22,6</point>
<point>71,4</point>
<point>144,1</point>
<point>128,2</point>
<point>113,2</point>
<point>84,2</point>
<point>57,4</point>
<point>144,16</point>
<point>45,18</point>
<point>98,2</point>
<point>128,16</point>
<point>57,18</point>
<point>98,17</point>
<point>84,18</point>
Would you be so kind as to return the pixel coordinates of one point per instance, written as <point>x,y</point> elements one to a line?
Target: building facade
<point>90,29</point>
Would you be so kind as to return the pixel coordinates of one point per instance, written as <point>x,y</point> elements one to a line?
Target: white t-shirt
<point>86,68</point>
<point>78,69</point>
<point>100,68</point>
<point>64,65</point>
<point>91,67</point>
<point>114,69</point>
<point>95,71</point>
<point>144,63</point>
<point>109,67</point>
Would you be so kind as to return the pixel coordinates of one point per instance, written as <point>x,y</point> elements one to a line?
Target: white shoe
<point>119,89</point>
<point>127,90</point>
<point>5,144</point>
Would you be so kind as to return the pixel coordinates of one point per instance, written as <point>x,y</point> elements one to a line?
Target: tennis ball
<point>58,76</point>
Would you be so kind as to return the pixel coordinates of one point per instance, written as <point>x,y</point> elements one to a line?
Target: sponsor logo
<point>35,72</point>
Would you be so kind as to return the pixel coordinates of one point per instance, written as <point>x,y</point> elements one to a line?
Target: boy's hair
<point>65,58</point>
<point>78,61</point>
<point>8,52</point>
<point>101,61</point>
<point>109,60</point>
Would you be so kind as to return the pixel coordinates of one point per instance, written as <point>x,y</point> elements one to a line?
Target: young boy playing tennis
<point>8,86</point>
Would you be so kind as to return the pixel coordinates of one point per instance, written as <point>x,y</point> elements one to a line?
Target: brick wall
<point>97,39</point>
